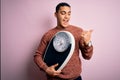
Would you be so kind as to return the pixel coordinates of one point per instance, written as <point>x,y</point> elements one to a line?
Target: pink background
<point>25,21</point>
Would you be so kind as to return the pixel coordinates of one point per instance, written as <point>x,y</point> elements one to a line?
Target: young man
<point>82,42</point>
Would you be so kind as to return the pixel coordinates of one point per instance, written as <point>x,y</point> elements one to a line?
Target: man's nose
<point>66,16</point>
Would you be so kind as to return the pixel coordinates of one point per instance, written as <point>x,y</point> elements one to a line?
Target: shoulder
<point>49,33</point>
<point>76,31</point>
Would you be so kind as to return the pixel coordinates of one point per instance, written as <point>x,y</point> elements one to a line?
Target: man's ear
<point>55,14</point>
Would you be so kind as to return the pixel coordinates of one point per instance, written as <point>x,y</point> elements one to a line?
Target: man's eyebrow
<point>69,12</point>
<point>65,11</point>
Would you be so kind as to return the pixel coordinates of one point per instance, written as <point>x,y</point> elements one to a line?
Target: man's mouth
<point>65,21</point>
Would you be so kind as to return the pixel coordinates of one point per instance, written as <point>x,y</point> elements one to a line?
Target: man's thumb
<point>55,65</point>
<point>91,30</point>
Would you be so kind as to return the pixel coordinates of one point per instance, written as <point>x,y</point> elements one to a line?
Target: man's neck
<point>61,27</point>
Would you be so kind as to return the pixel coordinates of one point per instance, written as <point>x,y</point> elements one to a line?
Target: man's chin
<point>65,25</point>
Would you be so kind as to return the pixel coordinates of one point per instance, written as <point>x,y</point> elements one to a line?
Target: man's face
<point>63,16</point>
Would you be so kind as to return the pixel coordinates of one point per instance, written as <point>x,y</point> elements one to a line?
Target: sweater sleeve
<point>39,54</point>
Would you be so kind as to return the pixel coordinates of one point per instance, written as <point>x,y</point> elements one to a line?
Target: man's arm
<point>86,44</point>
<point>38,57</point>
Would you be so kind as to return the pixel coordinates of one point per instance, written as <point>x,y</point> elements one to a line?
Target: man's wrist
<point>89,44</point>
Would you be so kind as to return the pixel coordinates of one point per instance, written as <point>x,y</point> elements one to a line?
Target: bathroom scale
<point>59,49</point>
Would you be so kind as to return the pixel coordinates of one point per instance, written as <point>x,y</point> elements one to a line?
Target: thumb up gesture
<point>86,36</point>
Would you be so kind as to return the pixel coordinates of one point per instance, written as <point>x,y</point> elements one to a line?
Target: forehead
<point>65,8</point>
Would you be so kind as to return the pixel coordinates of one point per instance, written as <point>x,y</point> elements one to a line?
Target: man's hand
<point>86,35</point>
<point>52,72</point>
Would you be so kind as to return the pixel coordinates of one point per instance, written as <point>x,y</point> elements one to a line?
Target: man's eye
<point>69,13</point>
<point>63,13</point>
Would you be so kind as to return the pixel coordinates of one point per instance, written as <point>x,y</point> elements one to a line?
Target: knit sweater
<point>73,68</point>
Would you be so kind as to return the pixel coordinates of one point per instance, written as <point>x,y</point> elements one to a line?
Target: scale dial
<point>61,42</point>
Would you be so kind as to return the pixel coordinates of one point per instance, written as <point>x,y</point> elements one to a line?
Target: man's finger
<point>57,72</point>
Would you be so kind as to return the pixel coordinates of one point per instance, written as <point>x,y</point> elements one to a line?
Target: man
<point>82,42</point>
